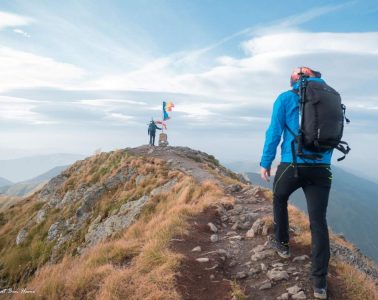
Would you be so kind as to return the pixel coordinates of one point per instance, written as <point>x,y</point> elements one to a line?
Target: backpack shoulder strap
<point>344,148</point>
<point>296,92</point>
<point>291,131</point>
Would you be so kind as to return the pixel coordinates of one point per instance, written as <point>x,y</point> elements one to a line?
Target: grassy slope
<point>18,262</point>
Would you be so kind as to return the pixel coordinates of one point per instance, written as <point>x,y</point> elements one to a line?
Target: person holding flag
<point>163,138</point>
<point>152,132</point>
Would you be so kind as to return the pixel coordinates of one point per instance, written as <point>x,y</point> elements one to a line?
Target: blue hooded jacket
<point>286,114</point>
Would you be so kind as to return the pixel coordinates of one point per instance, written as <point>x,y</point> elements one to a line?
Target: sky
<point>79,76</point>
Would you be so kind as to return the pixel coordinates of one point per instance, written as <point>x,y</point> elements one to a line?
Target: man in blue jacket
<point>314,177</point>
<point>152,132</point>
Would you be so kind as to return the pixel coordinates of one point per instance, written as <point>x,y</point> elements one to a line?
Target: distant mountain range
<point>26,187</point>
<point>352,210</point>
<point>4,182</point>
<point>22,169</point>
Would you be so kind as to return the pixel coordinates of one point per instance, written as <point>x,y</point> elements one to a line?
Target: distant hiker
<point>152,132</point>
<point>306,152</point>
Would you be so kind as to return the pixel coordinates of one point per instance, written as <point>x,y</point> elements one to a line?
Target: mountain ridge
<point>30,186</point>
<point>22,169</point>
<point>4,182</point>
<point>111,226</point>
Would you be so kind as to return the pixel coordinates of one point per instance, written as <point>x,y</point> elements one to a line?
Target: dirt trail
<point>180,158</point>
<point>235,258</point>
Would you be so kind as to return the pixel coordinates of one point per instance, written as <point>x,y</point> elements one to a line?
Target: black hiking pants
<point>315,180</point>
<point>152,139</point>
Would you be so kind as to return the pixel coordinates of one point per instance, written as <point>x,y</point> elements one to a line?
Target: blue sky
<point>82,75</point>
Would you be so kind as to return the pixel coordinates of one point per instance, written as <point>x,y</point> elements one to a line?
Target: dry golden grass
<point>358,285</point>
<point>236,292</point>
<point>7,201</point>
<point>300,221</point>
<point>140,264</point>
<point>341,241</point>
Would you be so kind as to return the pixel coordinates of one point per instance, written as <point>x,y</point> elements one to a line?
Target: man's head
<point>295,75</point>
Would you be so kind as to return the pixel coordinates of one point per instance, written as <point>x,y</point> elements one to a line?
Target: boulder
<point>284,296</point>
<point>299,295</point>
<point>139,179</point>
<point>212,227</point>
<point>266,285</point>
<point>241,275</point>
<point>126,215</point>
<point>256,228</point>
<point>203,259</point>
<point>41,216</point>
<point>90,197</point>
<point>54,230</point>
<point>133,207</point>
<point>50,190</point>
<point>263,267</point>
<point>164,188</point>
<point>262,255</point>
<point>121,177</point>
<point>293,290</point>
<point>21,236</point>
<point>300,258</point>
<point>277,275</point>
<point>197,249</point>
<point>253,271</point>
<point>214,238</point>
<point>67,199</point>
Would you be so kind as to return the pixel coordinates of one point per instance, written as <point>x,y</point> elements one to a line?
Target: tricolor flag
<point>162,123</point>
<point>167,107</point>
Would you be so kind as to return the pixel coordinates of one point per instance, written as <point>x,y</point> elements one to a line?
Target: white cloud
<point>120,117</point>
<point>10,20</point>
<point>21,111</point>
<point>21,32</point>
<point>26,70</point>
<point>109,103</point>
<point>298,43</point>
<point>263,72</point>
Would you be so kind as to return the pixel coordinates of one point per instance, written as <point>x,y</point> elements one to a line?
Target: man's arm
<point>273,137</point>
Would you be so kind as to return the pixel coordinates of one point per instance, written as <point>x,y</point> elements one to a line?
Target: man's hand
<point>265,174</point>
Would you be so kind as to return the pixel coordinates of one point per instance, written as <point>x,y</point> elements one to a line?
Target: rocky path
<point>182,158</point>
<point>227,245</point>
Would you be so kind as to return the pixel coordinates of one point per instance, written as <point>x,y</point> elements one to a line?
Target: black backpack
<point>322,120</point>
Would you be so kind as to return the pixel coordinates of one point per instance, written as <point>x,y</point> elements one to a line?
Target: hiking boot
<point>282,249</point>
<point>320,293</point>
